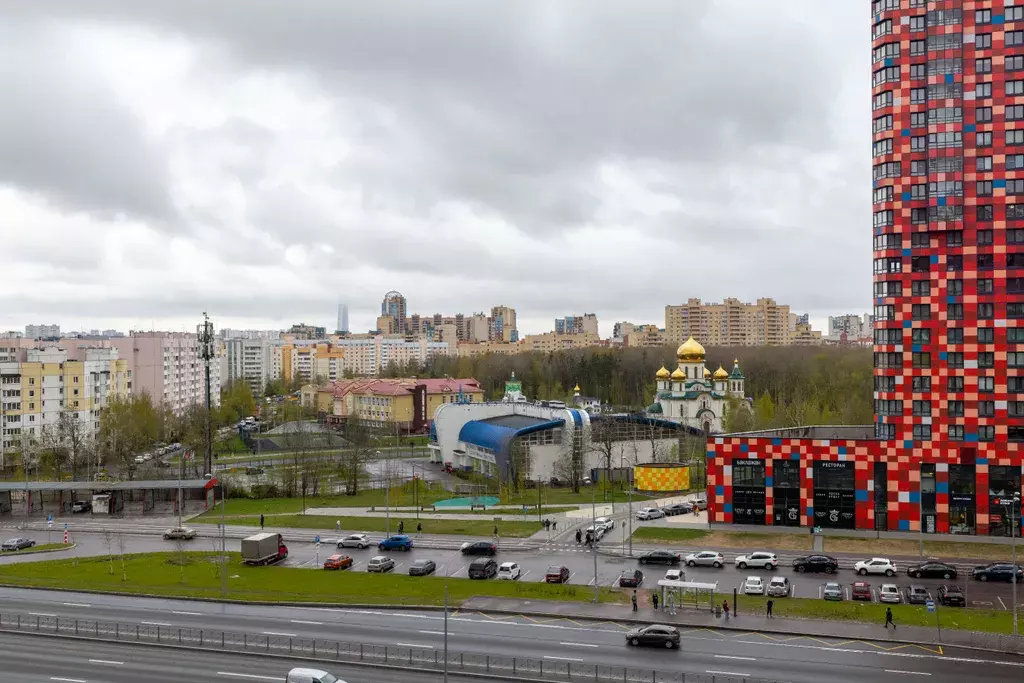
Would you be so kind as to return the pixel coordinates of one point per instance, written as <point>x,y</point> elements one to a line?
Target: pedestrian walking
<point>547,525</point>
<point>401,527</point>
<point>771,603</point>
<point>579,536</point>
<point>634,600</point>
<point>495,530</point>
<point>419,527</point>
<point>337,525</point>
<point>725,608</point>
<point>554,525</point>
<point>261,521</point>
<point>888,619</point>
<point>654,601</point>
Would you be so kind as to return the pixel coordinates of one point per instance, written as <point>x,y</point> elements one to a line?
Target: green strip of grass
<point>667,534</point>
<point>44,548</point>
<point>457,527</point>
<point>197,575</point>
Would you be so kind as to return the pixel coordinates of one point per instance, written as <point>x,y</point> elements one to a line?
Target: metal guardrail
<point>323,649</point>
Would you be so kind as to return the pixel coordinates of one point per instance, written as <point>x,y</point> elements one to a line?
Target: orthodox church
<point>693,395</point>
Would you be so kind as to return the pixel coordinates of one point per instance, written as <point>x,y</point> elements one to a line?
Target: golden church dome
<point>707,374</point>
<point>663,373</point>
<point>690,351</point>
<point>678,374</point>
<point>721,374</point>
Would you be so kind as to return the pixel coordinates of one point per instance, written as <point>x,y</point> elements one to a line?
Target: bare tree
<point>108,543</point>
<point>120,548</point>
<point>352,460</point>
<point>179,549</point>
<point>75,438</point>
<point>569,462</point>
<point>602,443</point>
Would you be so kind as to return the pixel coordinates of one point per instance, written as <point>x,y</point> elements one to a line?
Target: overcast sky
<point>263,160</point>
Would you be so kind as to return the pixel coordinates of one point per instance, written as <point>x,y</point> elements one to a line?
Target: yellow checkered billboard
<point>661,477</point>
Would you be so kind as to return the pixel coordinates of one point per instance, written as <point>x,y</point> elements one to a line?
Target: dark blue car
<point>400,542</point>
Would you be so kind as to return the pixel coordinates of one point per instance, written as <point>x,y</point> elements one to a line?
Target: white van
<point>311,676</point>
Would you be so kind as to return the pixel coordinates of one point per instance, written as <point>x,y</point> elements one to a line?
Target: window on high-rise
<point>888,51</point>
<point>882,194</point>
<point>917,143</point>
<point>921,312</point>
<point>983,41</point>
<point>983,237</point>
<point>945,41</point>
<point>982,90</point>
<point>1015,434</point>
<point>888,335</point>
<point>919,191</point>
<point>954,239</point>
<point>920,240</point>
<point>888,240</point>
<point>885,431</point>
<point>922,432</point>
<point>983,65</point>
<point>882,28</point>
<point>1015,260</point>
<point>918,119</point>
<point>986,261</point>
<point>883,123</point>
<point>885,384</point>
<point>920,264</point>
<point>986,408</point>
<point>955,359</point>
<point>986,433</point>
<point>1014,236</point>
<point>917,48</point>
<point>921,360</point>
<point>983,16</point>
<point>986,285</point>
<point>1015,13</point>
<point>921,408</point>
<point>986,311</point>
<point>1015,310</point>
<point>955,385</point>
<point>1014,112</point>
<point>1013,63</point>
<point>954,263</point>
<point>982,163</point>
<point>982,139</point>
<point>954,287</point>
<point>986,384</point>
<point>885,312</point>
<point>944,91</point>
<point>888,288</point>
<point>1014,211</point>
<point>955,432</point>
<point>1014,88</point>
<point>921,384</point>
<point>1015,408</point>
<point>1012,38</point>
<point>882,218</point>
<point>983,212</point>
<point>948,139</point>
<point>947,188</point>
<point>1015,137</point>
<point>983,188</point>
<point>986,335</point>
<point>917,23</point>
<point>918,167</point>
<point>983,114</point>
<point>955,408</point>
<point>1015,359</point>
<point>986,359</point>
<point>920,288</point>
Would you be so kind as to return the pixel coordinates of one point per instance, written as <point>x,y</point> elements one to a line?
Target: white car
<point>705,558</point>
<point>758,559</point>
<point>361,541</point>
<point>607,522</point>
<point>596,530</point>
<point>675,575</point>
<point>876,565</point>
<point>754,585</point>
<point>778,587</point>
<point>509,571</point>
<point>889,592</point>
<point>649,513</point>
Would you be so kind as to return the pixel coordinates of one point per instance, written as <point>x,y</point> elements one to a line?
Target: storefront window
<point>834,496</point>
<point>962,508</point>
<point>748,494</point>
<point>928,497</point>
<point>786,492</point>
<point>1003,483</point>
<point>881,496</point>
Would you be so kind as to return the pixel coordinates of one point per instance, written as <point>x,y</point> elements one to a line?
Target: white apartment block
<point>251,360</point>
<point>42,331</point>
<point>168,366</point>
<point>367,357</point>
<point>853,325</point>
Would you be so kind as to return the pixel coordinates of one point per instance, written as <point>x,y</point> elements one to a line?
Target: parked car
<point>304,675</point>
<point>754,585</point>
<point>179,533</point>
<point>659,557</point>
<point>557,573</point>
<point>758,559</point>
<point>997,571</point>
<point>338,562</point>
<point>596,531</point>
<point>876,565</point>
<point>649,513</point>
<point>380,563</point>
<point>399,542</point>
<point>700,503</point>
<point>677,509</point>
<point>422,568</point>
<point>479,548</point>
<point>779,587</point>
<point>630,578</point>
<point>654,635</point>
<point>832,591</point>
<point>952,596</point>
<point>917,594</point>
<point>816,563</point>
<point>705,558</point>
<point>932,569</point>
<point>17,544</point>
<point>361,541</point>
<point>861,590</point>
<point>607,522</point>
<point>81,506</point>
<point>509,571</point>
<point>482,568</point>
<point>675,575</point>
<point>890,593</point>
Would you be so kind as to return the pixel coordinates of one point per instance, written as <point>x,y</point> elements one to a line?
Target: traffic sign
<point>930,605</point>
<point>65,526</point>
<point>316,539</point>
<point>49,521</point>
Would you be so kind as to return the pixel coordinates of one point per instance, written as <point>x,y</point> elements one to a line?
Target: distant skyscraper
<point>394,305</point>
<point>342,327</point>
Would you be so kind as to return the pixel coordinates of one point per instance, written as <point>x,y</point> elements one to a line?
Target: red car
<point>557,574</point>
<point>861,591</point>
<point>631,578</point>
<point>338,562</point>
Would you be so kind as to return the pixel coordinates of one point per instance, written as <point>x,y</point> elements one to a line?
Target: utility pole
<point>593,545</point>
<point>1014,512</point>
<point>204,337</point>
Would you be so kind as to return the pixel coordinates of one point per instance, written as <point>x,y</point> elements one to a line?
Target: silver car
<point>705,558</point>
<point>778,587</point>
<point>361,541</point>
<point>649,513</point>
<point>380,563</point>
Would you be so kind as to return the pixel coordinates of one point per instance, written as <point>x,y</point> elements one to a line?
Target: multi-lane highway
<point>750,654</point>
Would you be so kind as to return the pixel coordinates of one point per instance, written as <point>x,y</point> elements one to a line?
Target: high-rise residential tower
<point>394,306</point>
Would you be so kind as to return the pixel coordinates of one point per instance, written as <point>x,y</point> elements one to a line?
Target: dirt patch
<point>907,548</point>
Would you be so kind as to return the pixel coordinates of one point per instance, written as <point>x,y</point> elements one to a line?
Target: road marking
<point>433,633</point>
<point>311,623</point>
<point>285,635</point>
<point>431,647</point>
<point>77,604</point>
<point>747,659</point>
<point>155,623</point>
<point>259,678</point>
<point>41,614</point>
<point>68,680</point>
<point>106,661</point>
<point>727,673</point>
<point>911,673</point>
<point>565,659</point>
<point>188,614</point>
<point>1001,601</point>
<point>580,644</point>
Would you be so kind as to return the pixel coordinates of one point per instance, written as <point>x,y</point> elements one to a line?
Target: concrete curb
<point>18,553</point>
<point>508,612</point>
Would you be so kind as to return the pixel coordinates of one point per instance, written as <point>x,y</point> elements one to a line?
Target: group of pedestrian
<point>550,525</point>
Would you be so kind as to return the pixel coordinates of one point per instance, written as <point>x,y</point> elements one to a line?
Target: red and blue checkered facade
<point>948,231</point>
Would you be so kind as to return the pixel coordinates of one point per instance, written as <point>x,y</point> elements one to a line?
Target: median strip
<point>727,673</point>
<point>282,635</point>
<point>909,673</point>
<point>565,659</point>
<point>579,644</point>
<point>428,647</point>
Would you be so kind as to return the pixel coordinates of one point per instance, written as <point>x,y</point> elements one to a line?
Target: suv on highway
<point>876,565</point>
<point>483,568</point>
<point>400,542</point>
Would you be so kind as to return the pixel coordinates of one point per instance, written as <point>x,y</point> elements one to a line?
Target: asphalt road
<point>31,659</point>
<point>792,659</point>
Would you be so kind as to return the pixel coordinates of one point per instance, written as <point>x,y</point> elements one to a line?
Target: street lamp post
<point>223,547</point>
<point>387,493</point>
<point>593,545</point>
<point>1014,506</point>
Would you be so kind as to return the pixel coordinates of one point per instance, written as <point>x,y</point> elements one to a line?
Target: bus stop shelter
<point>688,593</point>
<point>30,497</point>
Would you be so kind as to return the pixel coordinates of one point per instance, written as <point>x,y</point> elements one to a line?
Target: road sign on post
<point>930,604</point>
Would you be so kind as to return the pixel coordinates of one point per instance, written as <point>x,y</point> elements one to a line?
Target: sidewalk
<point>750,622</point>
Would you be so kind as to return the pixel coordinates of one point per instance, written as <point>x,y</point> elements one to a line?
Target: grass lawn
<point>400,496</point>
<point>458,527</point>
<point>197,574</point>
<point>722,539</point>
<point>45,547</point>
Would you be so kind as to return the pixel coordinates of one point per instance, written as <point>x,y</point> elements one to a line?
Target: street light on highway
<point>1014,504</point>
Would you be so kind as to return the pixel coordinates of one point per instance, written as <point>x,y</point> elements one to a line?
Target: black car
<point>932,569</point>
<point>677,509</point>
<point>952,596</point>
<point>659,557</point>
<point>655,635</point>
<point>422,568</point>
<point>483,568</point>
<point>630,578</point>
<point>997,571</point>
<point>479,548</point>
<point>917,594</point>
<point>816,563</point>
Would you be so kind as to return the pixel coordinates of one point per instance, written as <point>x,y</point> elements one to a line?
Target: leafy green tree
<point>236,402</point>
<point>128,426</point>
<point>764,411</point>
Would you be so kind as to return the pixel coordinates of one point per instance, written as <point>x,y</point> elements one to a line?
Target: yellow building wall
<point>31,388</point>
<point>661,478</point>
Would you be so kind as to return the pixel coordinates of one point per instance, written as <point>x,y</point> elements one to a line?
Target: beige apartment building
<point>552,341</point>
<point>730,323</point>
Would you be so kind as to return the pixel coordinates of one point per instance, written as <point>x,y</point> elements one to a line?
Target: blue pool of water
<point>467,501</point>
